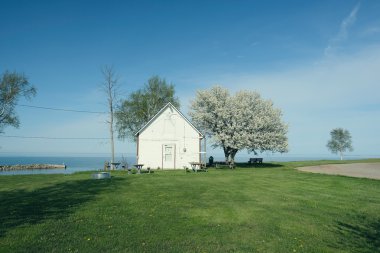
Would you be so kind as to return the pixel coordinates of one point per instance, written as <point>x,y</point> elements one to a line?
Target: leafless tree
<point>110,87</point>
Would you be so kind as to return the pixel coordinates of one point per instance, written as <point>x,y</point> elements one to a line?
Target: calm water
<point>74,164</point>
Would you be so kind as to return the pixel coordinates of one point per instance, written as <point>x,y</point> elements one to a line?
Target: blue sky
<point>317,60</point>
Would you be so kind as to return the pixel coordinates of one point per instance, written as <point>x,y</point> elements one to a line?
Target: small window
<point>168,158</point>
<point>168,150</point>
<point>168,153</point>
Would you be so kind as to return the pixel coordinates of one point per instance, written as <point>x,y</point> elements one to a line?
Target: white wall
<point>169,128</point>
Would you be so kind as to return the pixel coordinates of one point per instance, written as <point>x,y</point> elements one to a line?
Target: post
<point>205,155</point>
<point>112,140</point>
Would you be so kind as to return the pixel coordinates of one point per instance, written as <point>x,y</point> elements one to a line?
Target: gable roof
<point>161,111</point>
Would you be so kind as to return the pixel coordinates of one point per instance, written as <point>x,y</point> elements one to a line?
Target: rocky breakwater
<point>31,166</point>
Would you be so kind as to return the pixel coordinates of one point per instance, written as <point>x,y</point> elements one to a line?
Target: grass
<point>270,208</point>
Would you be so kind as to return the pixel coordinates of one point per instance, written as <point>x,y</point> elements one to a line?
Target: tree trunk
<point>112,140</point>
<point>341,156</point>
<point>232,158</point>
<point>226,154</point>
<point>110,85</point>
<point>229,155</point>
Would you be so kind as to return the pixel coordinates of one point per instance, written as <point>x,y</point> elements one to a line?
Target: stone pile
<point>31,166</point>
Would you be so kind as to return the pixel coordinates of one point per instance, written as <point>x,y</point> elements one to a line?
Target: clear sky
<point>319,61</point>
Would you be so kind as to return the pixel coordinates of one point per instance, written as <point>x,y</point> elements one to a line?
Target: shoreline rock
<point>31,167</point>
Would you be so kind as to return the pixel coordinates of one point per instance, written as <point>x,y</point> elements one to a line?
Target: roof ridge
<point>160,111</point>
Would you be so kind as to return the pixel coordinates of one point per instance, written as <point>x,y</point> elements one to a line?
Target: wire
<point>55,138</point>
<point>52,138</point>
<point>59,109</point>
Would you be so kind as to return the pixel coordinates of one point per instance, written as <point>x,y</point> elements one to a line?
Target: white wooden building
<point>168,141</point>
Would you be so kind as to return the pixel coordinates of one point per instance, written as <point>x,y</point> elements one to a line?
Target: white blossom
<point>241,121</point>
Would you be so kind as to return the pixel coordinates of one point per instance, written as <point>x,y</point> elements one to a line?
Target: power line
<point>60,109</point>
<point>52,138</point>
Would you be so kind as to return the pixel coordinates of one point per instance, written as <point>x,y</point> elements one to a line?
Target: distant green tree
<point>135,111</point>
<point>340,142</point>
<point>13,86</point>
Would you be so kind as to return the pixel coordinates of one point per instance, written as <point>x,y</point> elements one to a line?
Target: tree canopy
<point>141,105</point>
<point>340,142</point>
<point>240,121</point>
<point>13,86</point>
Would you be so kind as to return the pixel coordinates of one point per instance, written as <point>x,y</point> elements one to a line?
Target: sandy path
<point>366,170</point>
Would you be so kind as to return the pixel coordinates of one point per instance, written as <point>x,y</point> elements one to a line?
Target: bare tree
<point>110,87</point>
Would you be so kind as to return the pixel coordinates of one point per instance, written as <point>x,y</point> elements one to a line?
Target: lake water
<point>75,164</point>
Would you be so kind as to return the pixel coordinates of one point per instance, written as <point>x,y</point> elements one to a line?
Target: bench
<point>255,160</point>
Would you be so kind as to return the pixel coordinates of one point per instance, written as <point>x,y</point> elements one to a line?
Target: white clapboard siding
<point>168,141</point>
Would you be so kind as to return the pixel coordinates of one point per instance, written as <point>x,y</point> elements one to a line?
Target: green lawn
<point>271,208</point>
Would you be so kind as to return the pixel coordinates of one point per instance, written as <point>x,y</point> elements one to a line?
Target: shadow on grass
<point>365,235</point>
<point>21,207</point>
<point>258,165</point>
<point>248,166</point>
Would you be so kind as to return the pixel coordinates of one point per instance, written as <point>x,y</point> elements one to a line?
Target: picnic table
<point>108,165</point>
<point>115,165</point>
<point>195,166</point>
<point>138,167</point>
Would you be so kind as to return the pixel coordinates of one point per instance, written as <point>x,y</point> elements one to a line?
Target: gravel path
<point>366,170</point>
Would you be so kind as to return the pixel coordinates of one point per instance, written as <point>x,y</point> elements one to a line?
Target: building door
<point>168,156</point>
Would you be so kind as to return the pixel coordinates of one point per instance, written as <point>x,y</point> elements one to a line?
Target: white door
<point>168,156</point>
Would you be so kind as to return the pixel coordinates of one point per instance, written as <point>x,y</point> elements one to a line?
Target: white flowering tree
<point>241,121</point>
